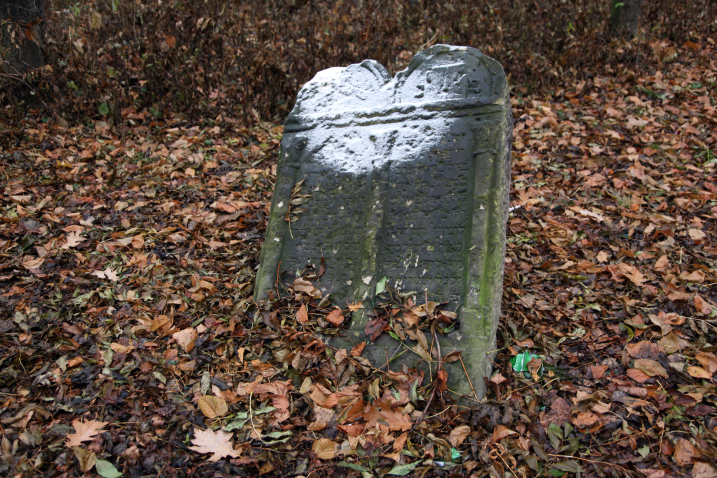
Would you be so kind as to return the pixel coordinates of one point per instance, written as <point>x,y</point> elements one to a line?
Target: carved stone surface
<point>405,178</point>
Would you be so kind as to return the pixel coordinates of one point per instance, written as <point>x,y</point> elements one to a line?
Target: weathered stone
<point>405,178</point>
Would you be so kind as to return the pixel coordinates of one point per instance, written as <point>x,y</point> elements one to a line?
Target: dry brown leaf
<point>324,448</point>
<point>500,432</point>
<point>585,419</point>
<point>698,372</point>
<point>638,375</point>
<point>212,407</point>
<point>400,441</point>
<point>219,443</point>
<point>697,234</point>
<point>335,317</point>
<point>702,306</point>
<point>84,431</point>
<point>703,470</point>
<point>185,338</point>
<point>598,370</point>
<point>650,367</point>
<point>124,349</point>
<point>662,264</point>
<point>708,360</point>
<point>302,315</point>
<point>458,435</point>
<point>684,452</point>
<point>87,458</point>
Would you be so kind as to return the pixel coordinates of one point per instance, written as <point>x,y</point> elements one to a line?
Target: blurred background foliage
<point>248,59</point>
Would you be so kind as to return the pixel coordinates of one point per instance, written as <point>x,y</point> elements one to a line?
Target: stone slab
<point>405,178</point>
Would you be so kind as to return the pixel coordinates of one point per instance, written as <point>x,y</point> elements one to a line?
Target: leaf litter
<point>127,262</point>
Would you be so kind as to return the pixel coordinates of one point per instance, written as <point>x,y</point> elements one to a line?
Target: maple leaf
<point>219,443</point>
<point>74,239</point>
<point>84,431</point>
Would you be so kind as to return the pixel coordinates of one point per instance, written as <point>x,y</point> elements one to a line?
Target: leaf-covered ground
<point>130,343</point>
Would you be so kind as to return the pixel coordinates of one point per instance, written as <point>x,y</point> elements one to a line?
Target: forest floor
<point>130,344</point>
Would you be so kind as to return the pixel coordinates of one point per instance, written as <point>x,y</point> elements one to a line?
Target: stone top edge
<point>440,74</point>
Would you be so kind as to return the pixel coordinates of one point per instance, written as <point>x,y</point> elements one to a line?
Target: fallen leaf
<point>324,448</point>
<point>400,441</point>
<point>84,431</point>
<point>458,435</point>
<point>500,432</point>
<point>638,375</point>
<point>598,370</point>
<point>219,443</point>
<point>335,317</point>
<point>86,458</point>
<point>684,452</point>
<point>185,338</point>
<point>703,470</point>
<point>302,315</point>
<point>650,367</point>
<point>698,372</point>
<point>212,407</point>
<point>33,264</point>
<point>697,234</point>
<point>708,360</point>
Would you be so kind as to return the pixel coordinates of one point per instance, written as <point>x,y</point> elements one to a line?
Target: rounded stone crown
<point>438,74</point>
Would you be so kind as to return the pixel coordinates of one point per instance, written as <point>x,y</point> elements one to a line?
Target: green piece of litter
<point>455,454</point>
<point>520,363</point>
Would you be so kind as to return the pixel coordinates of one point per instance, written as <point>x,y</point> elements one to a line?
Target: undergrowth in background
<point>248,59</point>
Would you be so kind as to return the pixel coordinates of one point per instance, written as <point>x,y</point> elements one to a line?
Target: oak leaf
<point>84,431</point>
<point>219,443</point>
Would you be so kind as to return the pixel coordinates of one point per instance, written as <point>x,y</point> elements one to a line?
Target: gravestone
<point>405,178</point>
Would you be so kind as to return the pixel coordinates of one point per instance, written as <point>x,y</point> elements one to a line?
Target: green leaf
<point>103,109</point>
<point>570,466</point>
<point>402,470</point>
<point>353,466</point>
<point>644,451</point>
<point>556,473</point>
<point>107,469</point>
<point>381,285</point>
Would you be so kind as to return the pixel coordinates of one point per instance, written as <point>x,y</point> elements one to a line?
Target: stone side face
<point>409,179</point>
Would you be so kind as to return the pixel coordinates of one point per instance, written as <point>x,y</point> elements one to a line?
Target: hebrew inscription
<point>408,179</point>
